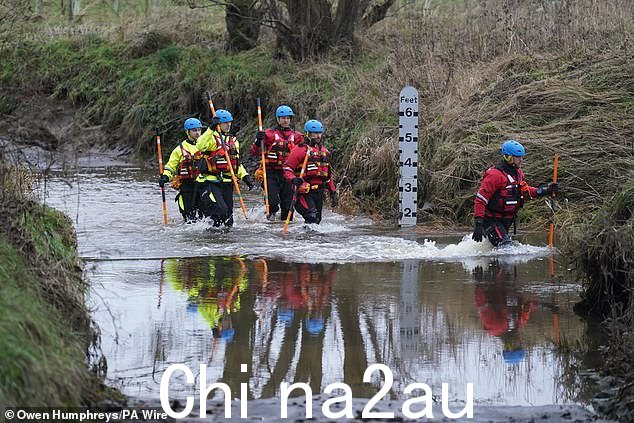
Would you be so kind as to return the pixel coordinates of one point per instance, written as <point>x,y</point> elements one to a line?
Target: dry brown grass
<point>180,23</point>
<point>603,250</point>
<point>555,75</point>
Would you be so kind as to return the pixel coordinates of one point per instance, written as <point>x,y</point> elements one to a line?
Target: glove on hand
<point>259,136</point>
<point>163,179</point>
<point>259,175</point>
<point>549,190</point>
<point>478,231</point>
<point>334,198</point>
<point>297,181</point>
<point>304,188</point>
<point>248,179</point>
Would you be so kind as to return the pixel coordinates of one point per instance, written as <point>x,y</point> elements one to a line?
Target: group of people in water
<point>294,170</point>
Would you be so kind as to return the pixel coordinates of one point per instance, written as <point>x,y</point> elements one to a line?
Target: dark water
<point>319,306</point>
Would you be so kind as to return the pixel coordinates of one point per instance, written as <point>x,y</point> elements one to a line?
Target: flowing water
<point>319,305</point>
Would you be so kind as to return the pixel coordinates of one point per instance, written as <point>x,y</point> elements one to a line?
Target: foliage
<point>603,249</point>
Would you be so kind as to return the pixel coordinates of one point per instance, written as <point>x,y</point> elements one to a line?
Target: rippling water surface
<point>319,305</point>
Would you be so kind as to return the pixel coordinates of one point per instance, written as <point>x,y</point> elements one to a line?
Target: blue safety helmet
<point>223,116</point>
<point>315,325</point>
<point>514,357</point>
<point>314,126</point>
<point>283,111</point>
<point>192,123</point>
<point>227,334</point>
<point>285,315</point>
<point>513,148</point>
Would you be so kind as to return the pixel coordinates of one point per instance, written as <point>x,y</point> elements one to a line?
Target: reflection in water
<point>212,290</point>
<point>294,324</point>
<point>409,314</point>
<point>504,310</point>
<point>325,323</point>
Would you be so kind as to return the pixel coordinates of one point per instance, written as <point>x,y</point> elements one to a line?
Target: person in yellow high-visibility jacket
<point>182,170</point>
<point>216,198</point>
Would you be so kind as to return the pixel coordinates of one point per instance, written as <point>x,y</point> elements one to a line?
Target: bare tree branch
<point>376,13</point>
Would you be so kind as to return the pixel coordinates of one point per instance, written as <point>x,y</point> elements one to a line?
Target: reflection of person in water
<point>213,288</point>
<point>503,310</point>
<point>302,294</point>
<point>306,289</point>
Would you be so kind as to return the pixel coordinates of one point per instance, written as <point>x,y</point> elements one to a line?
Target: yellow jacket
<point>173,164</point>
<point>206,284</point>
<point>208,143</point>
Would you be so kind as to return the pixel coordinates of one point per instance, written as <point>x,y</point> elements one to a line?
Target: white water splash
<point>314,248</point>
<point>131,227</point>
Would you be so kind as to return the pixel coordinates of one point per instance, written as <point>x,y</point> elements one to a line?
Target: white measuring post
<point>408,155</point>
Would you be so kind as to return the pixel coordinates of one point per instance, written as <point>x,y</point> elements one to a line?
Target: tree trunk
<point>346,19</point>
<point>309,31</point>
<point>68,10</point>
<point>243,20</point>
<point>308,28</point>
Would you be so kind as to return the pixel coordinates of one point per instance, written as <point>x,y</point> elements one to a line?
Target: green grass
<point>52,234</point>
<point>42,363</point>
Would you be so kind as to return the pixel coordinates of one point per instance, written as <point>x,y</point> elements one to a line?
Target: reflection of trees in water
<point>575,358</point>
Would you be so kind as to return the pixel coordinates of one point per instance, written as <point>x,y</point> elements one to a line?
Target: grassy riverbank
<point>603,250</point>
<point>45,331</point>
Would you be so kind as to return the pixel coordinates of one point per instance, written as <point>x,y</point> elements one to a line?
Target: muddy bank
<point>44,132</point>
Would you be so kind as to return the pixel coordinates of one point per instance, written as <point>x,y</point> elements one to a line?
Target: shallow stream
<point>320,305</point>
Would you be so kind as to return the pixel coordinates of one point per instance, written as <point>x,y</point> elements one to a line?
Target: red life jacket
<point>279,150</point>
<point>217,161</point>
<point>506,202</point>
<point>318,163</point>
<point>188,166</point>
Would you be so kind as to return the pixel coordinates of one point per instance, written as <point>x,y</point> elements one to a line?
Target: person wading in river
<point>317,176</point>
<point>278,143</point>
<point>216,198</point>
<point>182,171</point>
<point>501,195</point>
